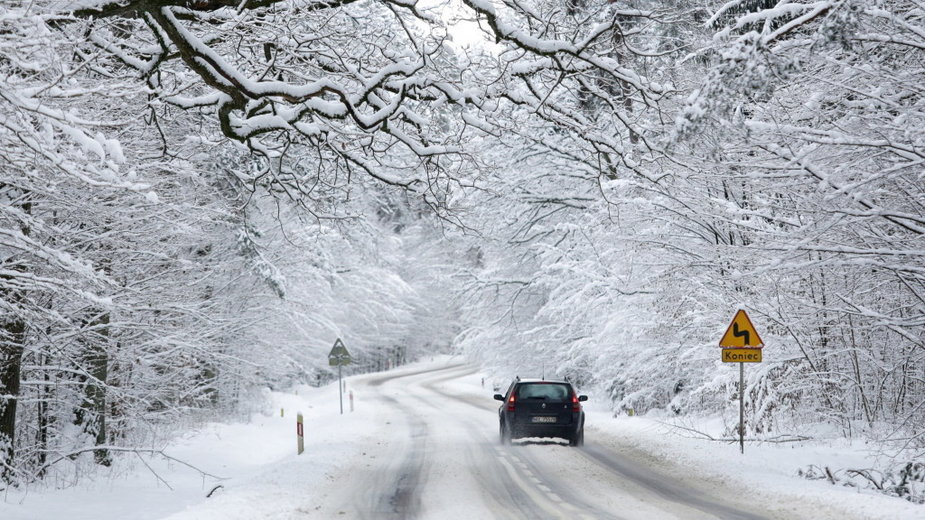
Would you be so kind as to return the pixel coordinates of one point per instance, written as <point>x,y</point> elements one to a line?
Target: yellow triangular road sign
<point>741,333</point>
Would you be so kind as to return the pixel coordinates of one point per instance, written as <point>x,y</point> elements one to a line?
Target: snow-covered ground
<point>262,477</point>
<point>767,474</point>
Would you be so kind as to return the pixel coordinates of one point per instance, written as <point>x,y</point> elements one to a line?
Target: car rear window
<point>548,391</point>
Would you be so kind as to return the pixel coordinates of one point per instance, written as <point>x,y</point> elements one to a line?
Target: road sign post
<point>338,357</point>
<point>742,408</point>
<point>741,344</point>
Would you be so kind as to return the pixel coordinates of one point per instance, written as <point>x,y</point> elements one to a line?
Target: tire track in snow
<point>402,501</point>
<point>667,489</point>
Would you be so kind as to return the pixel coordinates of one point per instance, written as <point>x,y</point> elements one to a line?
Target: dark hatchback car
<point>542,408</point>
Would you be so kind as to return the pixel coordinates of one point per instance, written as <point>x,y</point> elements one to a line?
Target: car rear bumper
<point>565,431</point>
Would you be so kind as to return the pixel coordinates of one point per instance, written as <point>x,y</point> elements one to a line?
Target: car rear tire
<point>578,438</point>
<point>505,436</point>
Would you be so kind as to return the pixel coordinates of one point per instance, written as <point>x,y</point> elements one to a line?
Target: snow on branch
<point>326,89</point>
<point>136,8</point>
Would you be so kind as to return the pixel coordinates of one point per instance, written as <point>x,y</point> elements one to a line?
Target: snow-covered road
<point>439,457</point>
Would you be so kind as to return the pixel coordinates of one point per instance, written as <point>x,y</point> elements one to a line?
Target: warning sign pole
<point>742,408</point>
<point>741,344</point>
<point>340,388</point>
<point>339,357</point>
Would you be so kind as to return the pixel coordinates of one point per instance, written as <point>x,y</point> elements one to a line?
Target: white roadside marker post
<point>300,433</point>
<point>351,400</point>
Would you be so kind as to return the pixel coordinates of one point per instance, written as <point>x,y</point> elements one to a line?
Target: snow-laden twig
<point>137,451</point>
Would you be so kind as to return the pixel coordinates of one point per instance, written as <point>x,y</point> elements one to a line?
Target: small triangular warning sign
<point>741,333</point>
<point>339,355</point>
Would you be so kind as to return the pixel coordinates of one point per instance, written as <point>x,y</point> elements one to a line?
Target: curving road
<point>437,456</point>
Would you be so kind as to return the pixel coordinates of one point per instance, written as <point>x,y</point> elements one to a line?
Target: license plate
<point>544,419</point>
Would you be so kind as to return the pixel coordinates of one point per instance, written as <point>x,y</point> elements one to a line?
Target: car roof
<point>534,380</point>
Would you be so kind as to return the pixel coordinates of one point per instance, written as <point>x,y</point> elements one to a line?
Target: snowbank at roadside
<point>766,473</point>
<point>254,463</point>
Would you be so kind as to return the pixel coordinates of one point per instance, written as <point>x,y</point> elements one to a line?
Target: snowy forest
<point>200,196</point>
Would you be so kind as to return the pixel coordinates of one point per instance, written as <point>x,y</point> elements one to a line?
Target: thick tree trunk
<point>96,391</point>
<point>11,350</point>
<point>92,414</point>
<point>12,346</point>
<point>41,435</point>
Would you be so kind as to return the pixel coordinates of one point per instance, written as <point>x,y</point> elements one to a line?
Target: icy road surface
<point>442,459</point>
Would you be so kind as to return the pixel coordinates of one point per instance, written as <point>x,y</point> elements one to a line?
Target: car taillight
<point>510,403</point>
<point>576,406</point>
